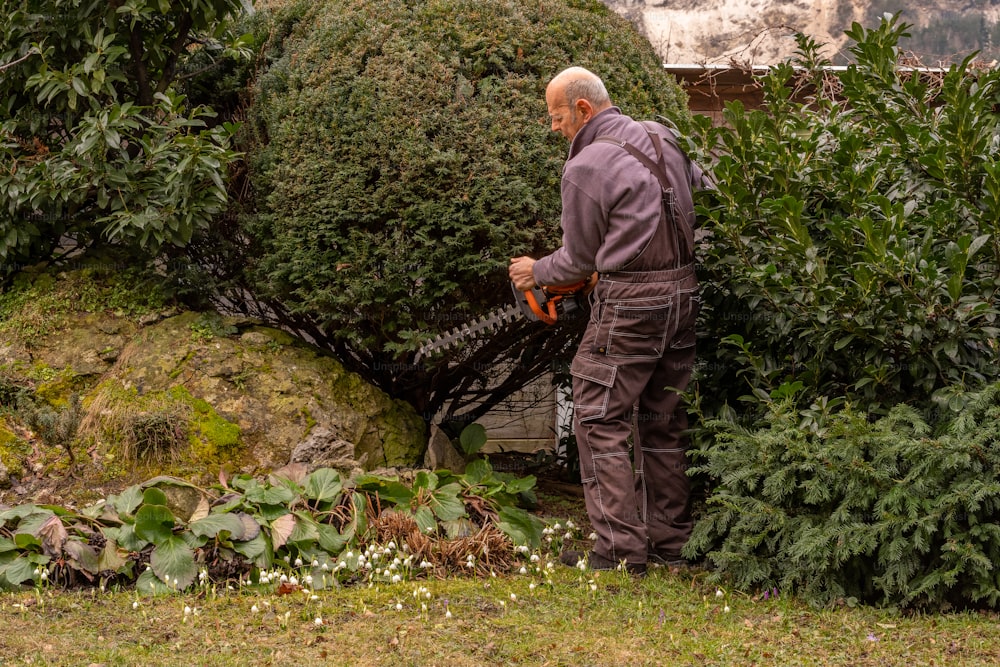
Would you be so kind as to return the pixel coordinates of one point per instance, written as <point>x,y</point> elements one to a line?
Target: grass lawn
<point>558,616</point>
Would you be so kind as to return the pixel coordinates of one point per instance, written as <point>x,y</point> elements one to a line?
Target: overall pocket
<point>592,382</point>
<point>640,330</point>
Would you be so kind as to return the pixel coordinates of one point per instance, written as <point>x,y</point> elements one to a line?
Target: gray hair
<point>585,85</point>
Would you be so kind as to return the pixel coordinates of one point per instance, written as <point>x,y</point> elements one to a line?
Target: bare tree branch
<point>31,52</point>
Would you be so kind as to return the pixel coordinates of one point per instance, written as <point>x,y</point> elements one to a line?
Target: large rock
<point>245,397</point>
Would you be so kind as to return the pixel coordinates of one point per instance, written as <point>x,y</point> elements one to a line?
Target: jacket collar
<point>592,130</point>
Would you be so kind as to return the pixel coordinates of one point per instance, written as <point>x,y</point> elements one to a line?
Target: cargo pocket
<point>593,387</point>
<point>686,337</point>
<point>640,332</point>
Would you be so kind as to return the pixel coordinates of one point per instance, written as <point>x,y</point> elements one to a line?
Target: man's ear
<point>585,109</point>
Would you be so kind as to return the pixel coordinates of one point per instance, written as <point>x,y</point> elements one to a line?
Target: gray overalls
<point>636,355</point>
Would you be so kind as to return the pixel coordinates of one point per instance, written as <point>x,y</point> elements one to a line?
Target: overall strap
<point>667,191</point>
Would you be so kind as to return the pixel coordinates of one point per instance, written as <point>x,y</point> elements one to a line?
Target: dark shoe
<point>675,561</point>
<point>599,563</point>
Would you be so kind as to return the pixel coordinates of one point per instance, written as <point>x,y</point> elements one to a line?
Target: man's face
<point>565,118</point>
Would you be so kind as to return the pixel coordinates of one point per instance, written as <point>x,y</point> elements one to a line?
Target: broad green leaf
<point>446,503</point>
<point>173,562</point>
<point>212,525</point>
<point>520,526</point>
<point>127,538</point>
<point>323,485</point>
<point>128,500</point>
<point>257,550</point>
<point>149,584</point>
<point>394,491</point>
<point>330,539</point>
<point>19,570</point>
<point>154,523</point>
<point>425,519</point>
<point>154,496</point>
<point>425,479</point>
<point>472,438</point>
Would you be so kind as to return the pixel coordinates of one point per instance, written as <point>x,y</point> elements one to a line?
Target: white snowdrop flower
<point>308,580</point>
<point>513,597</point>
<point>550,565</point>
<point>406,548</point>
<point>523,570</point>
<point>425,564</point>
<point>592,536</point>
<point>396,578</point>
<point>391,546</point>
<point>288,559</point>
<point>315,563</point>
<point>593,587</point>
<point>447,614</point>
<point>187,611</point>
<point>549,539</point>
<point>423,607</point>
<point>570,524</point>
<point>568,536</point>
<point>558,526</point>
<point>397,562</point>
<point>726,609</point>
<point>45,575</point>
<point>531,586</point>
<point>393,567</point>
<point>469,563</point>
<point>135,605</point>
<point>298,562</point>
<point>349,554</point>
<point>313,598</point>
<point>318,621</point>
<point>719,593</point>
<point>294,581</point>
<point>255,609</point>
<point>325,567</point>
<point>535,558</point>
<point>546,531</point>
<point>283,578</point>
<point>38,571</point>
<point>581,565</point>
<point>399,606</point>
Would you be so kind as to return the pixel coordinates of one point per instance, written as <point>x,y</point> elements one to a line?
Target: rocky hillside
<point>760,32</point>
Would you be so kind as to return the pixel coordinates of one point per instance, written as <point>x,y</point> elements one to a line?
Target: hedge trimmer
<point>547,303</point>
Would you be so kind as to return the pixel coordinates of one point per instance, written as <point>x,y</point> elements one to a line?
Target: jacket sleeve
<point>583,225</point>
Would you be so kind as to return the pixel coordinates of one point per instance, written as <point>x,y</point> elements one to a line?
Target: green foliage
<point>854,246</point>
<point>243,527</point>
<point>97,143</point>
<point>853,510</point>
<point>55,425</point>
<point>471,439</point>
<point>401,154</point>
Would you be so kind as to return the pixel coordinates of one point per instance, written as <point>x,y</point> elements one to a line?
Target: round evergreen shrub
<point>401,153</point>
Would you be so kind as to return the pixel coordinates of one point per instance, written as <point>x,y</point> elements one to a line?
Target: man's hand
<point>521,273</point>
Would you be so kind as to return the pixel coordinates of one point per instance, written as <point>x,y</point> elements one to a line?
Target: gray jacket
<point>612,202</point>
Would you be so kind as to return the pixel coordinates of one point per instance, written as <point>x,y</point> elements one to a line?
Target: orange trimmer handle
<point>548,317</point>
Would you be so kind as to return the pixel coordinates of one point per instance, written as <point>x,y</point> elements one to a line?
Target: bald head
<point>574,96</point>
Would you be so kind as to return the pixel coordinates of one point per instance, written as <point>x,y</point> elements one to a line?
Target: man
<point>638,349</point>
